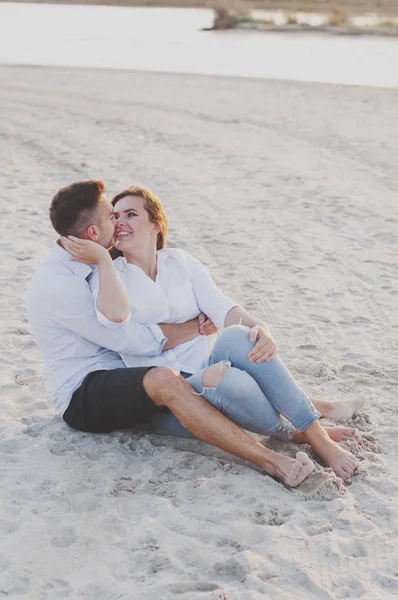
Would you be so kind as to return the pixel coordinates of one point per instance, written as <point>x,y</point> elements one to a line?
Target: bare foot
<point>293,471</point>
<point>341,434</point>
<point>339,410</point>
<point>337,434</point>
<point>342,461</point>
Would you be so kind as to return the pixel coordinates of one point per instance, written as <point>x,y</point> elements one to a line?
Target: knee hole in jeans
<point>214,375</point>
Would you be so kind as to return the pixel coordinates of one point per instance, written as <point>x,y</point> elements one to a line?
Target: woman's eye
<point>131,214</point>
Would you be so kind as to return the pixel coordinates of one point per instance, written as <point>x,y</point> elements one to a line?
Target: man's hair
<point>73,207</point>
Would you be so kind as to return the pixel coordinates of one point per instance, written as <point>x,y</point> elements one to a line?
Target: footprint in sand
<point>56,588</point>
<point>230,569</point>
<point>64,537</point>
<point>5,563</point>
<point>15,585</point>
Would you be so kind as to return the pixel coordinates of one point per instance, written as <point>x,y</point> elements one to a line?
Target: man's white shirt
<point>72,341</point>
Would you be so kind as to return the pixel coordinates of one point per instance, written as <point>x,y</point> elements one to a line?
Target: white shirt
<point>72,341</point>
<point>183,288</point>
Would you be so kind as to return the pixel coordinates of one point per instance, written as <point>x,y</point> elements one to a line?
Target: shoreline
<point>210,76</point>
<point>389,30</point>
<point>349,31</point>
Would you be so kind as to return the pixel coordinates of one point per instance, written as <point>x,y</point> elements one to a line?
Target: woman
<point>239,373</point>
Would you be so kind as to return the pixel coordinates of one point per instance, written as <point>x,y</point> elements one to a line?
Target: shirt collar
<point>79,269</point>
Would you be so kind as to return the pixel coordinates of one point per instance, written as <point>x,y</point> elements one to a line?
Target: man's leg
<point>167,388</point>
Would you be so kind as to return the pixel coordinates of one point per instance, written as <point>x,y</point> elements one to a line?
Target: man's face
<point>105,222</point>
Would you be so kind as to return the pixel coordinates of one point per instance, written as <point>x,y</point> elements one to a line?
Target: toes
<point>349,466</point>
<point>300,469</point>
<point>349,434</point>
<point>341,473</point>
<point>304,458</point>
<point>346,474</point>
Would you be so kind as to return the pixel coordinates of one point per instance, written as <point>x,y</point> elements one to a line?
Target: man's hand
<point>84,251</point>
<point>265,349</point>
<point>206,325</point>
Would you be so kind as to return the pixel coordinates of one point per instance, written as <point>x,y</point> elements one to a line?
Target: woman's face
<point>133,228</point>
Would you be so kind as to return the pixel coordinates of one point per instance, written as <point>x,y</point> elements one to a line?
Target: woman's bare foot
<point>341,434</point>
<point>337,434</point>
<point>293,471</point>
<point>340,460</point>
<point>339,410</point>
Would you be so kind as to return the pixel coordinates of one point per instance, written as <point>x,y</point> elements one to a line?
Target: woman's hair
<point>153,207</point>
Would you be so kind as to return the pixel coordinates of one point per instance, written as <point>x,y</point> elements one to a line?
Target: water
<point>169,40</point>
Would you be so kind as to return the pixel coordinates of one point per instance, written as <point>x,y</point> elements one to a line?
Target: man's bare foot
<point>339,410</point>
<point>293,471</point>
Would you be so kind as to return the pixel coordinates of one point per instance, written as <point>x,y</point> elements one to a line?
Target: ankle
<point>325,407</point>
<point>316,435</point>
<point>300,438</point>
<point>270,462</point>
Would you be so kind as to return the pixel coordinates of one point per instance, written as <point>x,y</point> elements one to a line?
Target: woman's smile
<point>121,235</point>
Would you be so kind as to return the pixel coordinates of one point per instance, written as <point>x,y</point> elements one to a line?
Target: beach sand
<point>288,192</point>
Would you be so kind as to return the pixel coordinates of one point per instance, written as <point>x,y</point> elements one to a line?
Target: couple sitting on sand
<point>127,337</point>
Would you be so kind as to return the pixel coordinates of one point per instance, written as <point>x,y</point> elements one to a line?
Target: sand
<point>288,192</point>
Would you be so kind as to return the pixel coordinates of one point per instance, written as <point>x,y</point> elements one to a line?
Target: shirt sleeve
<point>209,298</point>
<point>93,282</point>
<point>72,307</point>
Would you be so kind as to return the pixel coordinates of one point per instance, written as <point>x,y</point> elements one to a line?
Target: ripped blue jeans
<point>262,398</point>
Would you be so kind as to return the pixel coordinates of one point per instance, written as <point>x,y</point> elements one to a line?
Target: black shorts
<point>110,400</point>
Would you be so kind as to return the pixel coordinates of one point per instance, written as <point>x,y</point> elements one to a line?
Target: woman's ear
<point>156,229</point>
<point>92,233</point>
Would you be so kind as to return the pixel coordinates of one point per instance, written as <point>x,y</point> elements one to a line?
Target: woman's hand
<point>265,349</point>
<point>84,251</point>
<point>206,325</point>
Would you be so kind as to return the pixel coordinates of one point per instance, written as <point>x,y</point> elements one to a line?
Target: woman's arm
<point>265,348</point>
<point>239,316</point>
<point>112,300</point>
<point>209,298</point>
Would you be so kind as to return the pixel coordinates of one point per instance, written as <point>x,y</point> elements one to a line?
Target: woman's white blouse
<point>183,288</point>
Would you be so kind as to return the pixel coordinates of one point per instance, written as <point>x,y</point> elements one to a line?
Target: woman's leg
<point>336,411</point>
<point>284,394</point>
<point>274,379</point>
<point>344,409</point>
<point>235,394</point>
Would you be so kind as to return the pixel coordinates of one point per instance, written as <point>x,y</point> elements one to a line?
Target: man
<point>89,383</point>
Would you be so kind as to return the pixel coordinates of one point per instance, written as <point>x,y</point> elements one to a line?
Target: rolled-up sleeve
<point>93,282</point>
<point>75,310</point>
<point>104,320</point>
<point>209,298</point>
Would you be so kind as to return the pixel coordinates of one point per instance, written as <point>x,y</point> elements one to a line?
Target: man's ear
<point>92,233</point>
